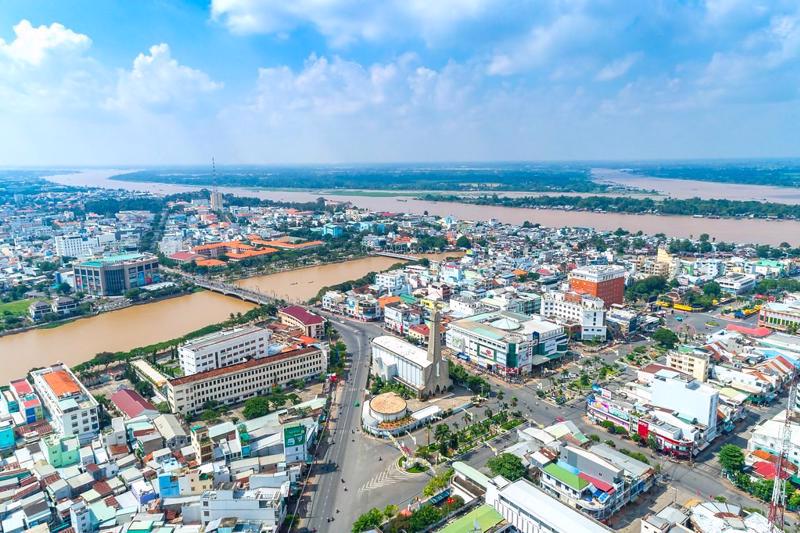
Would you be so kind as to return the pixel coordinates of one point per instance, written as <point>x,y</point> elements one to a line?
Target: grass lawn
<point>17,307</point>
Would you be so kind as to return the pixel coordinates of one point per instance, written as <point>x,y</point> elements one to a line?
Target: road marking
<point>391,474</point>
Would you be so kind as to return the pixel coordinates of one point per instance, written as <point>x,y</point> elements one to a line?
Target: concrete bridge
<point>229,289</point>
<point>406,257</point>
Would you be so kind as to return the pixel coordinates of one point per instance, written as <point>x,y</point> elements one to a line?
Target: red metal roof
<point>599,483</point>
<point>300,313</point>
<point>754,332</point>
<point>131,403</point>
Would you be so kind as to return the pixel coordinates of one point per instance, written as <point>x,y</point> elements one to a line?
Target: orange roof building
<point>61,383</point>
<point>383,301</point>
<point>246,254</point>
<point>285,245</point>
<point>216,249</point>
<point>210,263</point>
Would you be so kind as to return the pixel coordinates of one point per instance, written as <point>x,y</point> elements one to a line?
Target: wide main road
<point>366,464</point>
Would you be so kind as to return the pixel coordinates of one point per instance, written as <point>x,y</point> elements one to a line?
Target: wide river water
<point>731,230</point>
<point>146,324</point>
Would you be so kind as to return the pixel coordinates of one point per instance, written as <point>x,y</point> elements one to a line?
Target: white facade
<point>768,435</point>
<point>737,283</point>
<point>598,273</point>
<point>77,246</point>
<point>265,505</point>
<point>222,349</point>
<point>688,398</point>
<point>236,383</point>
<point>505,341</point>
<point>527,508</point>
<point>72,409</point>
<point>391,282</point>
<point>394,358</point>
<point>572,308</point>
<point>464,305</point>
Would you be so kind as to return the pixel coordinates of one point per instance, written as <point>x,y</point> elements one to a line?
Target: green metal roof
<point>471,473</point>
<point>484,516</point>
<point>566,477</point>
<point>110,259</point>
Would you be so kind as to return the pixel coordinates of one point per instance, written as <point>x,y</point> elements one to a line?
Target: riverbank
<point>114,331</point>
<point>728,230</point>
<point>154,322</point>
<point>67,320</point>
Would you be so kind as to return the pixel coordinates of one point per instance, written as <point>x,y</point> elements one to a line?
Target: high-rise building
<point>112,275</point>
<point>76,245</point>
<point>606,282</point>
<point>582,310</point>
<point>217,202</point>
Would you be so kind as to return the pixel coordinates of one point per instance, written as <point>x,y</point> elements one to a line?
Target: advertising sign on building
<point>294,436</point>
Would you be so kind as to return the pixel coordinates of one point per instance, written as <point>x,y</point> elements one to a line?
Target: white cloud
<point>157,80</point>
<point>32,45</point>
<point>617,68</point>
<point>544,44</point>
<point>343,22</point>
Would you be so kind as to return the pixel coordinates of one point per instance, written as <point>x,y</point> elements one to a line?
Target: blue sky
<point>309,81</point>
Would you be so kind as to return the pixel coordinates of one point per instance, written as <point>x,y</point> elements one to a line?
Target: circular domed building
<point>387,407</point>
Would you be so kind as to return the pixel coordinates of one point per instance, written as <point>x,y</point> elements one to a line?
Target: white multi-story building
<point>236,383</point>
<point>689,398</point>
<point>392,282</point>
<point>77,245</point>
<point>265,505</point>
<point>573,308</point>
<point>72,409</point>
<point>399,317</point>
<point>768,436</point>
<point>223,348</point>
<point>505,342</point>
<point>737,283</point>
<point>465,304</point>
<point>707,267</point>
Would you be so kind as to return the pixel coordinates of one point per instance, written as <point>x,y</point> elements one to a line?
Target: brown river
<point>732,230</point>
<point>142,325</point>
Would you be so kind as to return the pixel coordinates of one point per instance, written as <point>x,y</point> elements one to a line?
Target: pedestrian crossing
<point>391,474</point>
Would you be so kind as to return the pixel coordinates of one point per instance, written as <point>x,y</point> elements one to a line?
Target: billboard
<point>294,436</point>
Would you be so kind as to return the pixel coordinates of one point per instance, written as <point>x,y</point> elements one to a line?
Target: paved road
<point>366,464</point>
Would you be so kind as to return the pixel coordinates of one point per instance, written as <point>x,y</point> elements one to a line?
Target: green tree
<point>163,407</point>
<point>731,458</point>
<point>463,242</point>
<point>666,338</point>
<point>255,407</point>
<point>507,465</point>
<point>441,431</point>
<point>424,517</point>
<point>369,520</point>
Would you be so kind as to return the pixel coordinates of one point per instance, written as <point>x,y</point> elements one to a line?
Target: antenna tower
<point>778,503</point>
